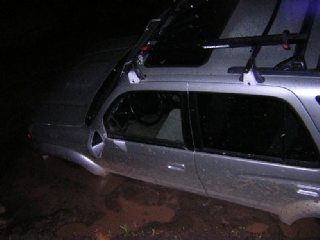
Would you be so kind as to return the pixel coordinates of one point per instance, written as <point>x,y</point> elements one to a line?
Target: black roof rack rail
<point>272,71</point>
<point>297,61</point>
<point>251,62</point>
<point>252,41</point>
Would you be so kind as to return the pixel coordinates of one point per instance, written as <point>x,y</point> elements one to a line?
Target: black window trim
<point>199,145</point>
<point>186,128</point>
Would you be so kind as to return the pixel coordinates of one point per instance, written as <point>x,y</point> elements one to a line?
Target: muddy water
<point>64,199</point>
<point>52,199</point>
<point>131,217</point>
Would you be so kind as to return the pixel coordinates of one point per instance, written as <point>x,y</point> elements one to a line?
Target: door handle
<point>177,167</point>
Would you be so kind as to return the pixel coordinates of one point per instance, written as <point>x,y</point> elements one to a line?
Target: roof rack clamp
<point>251,77</point>
<point>133,78</point>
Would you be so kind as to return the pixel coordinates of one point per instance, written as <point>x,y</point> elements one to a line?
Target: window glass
<point>146,116</point>
<point>299,144</point>
<point>253,125</point>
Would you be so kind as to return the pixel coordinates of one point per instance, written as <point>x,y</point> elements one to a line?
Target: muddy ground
<point>53,199</point>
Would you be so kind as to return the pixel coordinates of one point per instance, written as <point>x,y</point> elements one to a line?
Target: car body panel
<point>262,185</point>
<point>161,165</point>
<point>75,156</point>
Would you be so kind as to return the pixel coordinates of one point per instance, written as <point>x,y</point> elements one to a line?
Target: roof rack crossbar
<point>253,41</point>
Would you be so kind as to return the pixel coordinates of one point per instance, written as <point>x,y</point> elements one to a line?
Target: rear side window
<point>254,127</point>
<point>146,116</point>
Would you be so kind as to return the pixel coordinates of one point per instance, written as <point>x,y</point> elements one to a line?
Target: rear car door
<point>253,147</point>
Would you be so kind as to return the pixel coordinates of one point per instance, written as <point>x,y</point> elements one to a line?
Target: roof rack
<point>296,64</point>
<point>254,41</point>
<point>297,61</point>
<point>272,71</point>
<point>251,62</point>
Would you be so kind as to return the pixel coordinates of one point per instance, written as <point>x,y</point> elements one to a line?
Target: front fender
<point>73,156</point>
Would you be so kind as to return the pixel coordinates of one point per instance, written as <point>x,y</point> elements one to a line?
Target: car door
<point>252,146</point>
<point>148,138</point>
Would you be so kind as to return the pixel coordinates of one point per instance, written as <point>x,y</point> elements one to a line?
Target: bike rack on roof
<point>297,61</point>
<point>295,64</point>
<point>250,66</point>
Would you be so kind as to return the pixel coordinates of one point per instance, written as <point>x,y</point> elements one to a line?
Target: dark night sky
<point>40,38</point>
<point>28,22</point>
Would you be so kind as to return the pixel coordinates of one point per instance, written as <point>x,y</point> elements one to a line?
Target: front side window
<point>254,127</point>
<point>146,116</point>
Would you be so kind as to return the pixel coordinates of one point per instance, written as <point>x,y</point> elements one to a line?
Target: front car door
<point>148,136</point>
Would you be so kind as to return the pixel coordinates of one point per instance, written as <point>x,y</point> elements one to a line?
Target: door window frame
<point>185,123</point>
<point>198,138</point>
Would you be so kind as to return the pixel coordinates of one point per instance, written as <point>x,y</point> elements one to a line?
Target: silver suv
<point>219,98</point>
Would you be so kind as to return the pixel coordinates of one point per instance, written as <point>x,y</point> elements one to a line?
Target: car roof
<point>250,19</point>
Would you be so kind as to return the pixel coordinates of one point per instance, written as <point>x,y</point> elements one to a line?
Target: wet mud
<point>55,199</point>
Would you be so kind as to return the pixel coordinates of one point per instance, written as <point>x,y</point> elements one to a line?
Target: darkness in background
<point>39,39</point>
